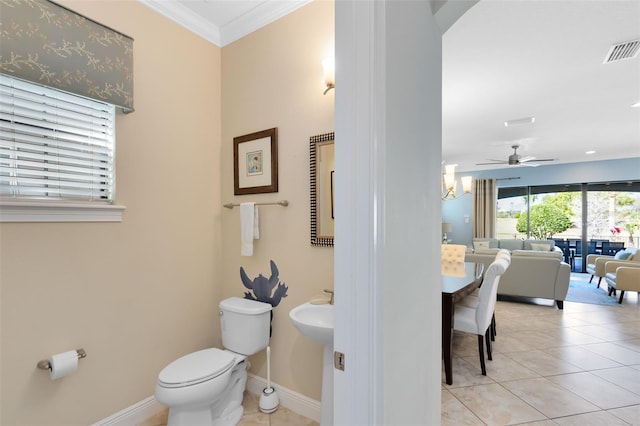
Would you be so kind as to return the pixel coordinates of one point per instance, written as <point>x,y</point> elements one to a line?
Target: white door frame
<point>387,244</point>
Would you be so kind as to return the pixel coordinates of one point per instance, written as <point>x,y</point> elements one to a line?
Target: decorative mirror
<point>322,180</point>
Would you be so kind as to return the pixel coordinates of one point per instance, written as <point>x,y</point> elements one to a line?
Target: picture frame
<point>255,162</point>
<point>322,189</point>
<point>333,188</point>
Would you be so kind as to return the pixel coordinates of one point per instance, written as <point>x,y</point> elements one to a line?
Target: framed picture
<point>255,162</point>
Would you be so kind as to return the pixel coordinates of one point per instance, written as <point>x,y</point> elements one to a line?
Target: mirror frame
<point>313,142</point>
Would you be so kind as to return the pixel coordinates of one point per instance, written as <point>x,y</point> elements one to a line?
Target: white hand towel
<point>256,223</point>
<point>248,227</point>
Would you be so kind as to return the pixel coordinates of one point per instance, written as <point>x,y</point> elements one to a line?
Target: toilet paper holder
<point>45,365</point>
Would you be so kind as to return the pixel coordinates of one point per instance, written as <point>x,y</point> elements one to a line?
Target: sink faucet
<point>331,293</point>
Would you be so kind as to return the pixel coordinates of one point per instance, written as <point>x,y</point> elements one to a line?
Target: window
<point>56,149</point>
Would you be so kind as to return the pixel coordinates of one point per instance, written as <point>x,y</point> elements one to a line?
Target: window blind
<point>54,145</point>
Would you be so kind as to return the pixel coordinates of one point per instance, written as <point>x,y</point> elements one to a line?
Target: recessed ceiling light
<point>526,120</point>
<point>590,152</point>
<point>636,105</point>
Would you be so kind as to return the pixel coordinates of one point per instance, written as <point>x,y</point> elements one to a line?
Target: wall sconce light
<point>446,227</point>
<point>329,68</point>
<point>449,183</point>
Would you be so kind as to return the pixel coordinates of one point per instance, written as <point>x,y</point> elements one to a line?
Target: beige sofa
<point>538,274</point>
<point>514,244</point>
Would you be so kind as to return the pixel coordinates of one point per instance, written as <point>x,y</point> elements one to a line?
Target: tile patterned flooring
<point>252,416</point>
<point>577,366</point>
<point>282,416</point>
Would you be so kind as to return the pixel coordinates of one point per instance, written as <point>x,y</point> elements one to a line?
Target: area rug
<point>581,291</point>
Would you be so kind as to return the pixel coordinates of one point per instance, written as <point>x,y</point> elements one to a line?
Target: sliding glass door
<point>581,218</point>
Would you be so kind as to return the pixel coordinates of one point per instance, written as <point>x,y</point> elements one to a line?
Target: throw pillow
<point>622,255</point>
<point>479,245</point>
<point>539,247</point>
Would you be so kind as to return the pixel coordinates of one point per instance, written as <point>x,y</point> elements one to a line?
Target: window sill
<point>13,211</point>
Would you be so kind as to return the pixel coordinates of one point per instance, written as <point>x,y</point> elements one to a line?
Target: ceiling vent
<point>618,52</point>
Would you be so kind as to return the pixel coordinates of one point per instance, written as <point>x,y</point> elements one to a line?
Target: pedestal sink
<point>316,323</point>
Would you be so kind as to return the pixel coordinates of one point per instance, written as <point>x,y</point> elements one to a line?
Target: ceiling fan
<point>516,159</point>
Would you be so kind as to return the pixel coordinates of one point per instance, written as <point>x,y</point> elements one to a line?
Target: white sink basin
<point>314,321</point>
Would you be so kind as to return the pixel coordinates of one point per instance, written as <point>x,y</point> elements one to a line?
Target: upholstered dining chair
<point>453,252</point>
<point>477,320</point>
<point>472,299</point>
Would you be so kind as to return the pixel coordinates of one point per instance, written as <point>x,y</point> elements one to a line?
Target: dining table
<point>458,280</point>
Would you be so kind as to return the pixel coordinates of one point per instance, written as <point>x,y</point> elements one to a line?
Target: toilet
<point>206,387</point>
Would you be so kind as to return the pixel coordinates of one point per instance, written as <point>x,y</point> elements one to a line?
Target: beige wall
<point>137,294</point>
<point>273,78</point>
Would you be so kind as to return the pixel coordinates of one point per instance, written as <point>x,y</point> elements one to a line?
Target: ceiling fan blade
<point>547,159</point>
<point>525,159</point>
<point>489,164</point>
<point>529,164</point>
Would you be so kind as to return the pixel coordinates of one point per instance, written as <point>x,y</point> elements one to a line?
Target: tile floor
<point>577,366</point>
<point>252,416</point>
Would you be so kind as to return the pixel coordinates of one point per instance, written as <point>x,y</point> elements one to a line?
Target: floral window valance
<point>45,43</point>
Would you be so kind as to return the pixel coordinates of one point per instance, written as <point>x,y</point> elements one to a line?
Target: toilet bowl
<point>207,387</point>
<point>202,387</point>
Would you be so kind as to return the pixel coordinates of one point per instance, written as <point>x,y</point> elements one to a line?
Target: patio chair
<point>598,242</point>
<point>591,249</point>
<point>564,246</point>
<point>610,248</point>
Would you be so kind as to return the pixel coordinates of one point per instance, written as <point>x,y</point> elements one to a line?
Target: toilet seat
<point>196,367</point>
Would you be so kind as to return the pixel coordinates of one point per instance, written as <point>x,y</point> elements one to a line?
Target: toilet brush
<point>269,400</point>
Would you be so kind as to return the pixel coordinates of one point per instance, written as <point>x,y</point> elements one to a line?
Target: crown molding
<point>185,17</point>
<point>263,14</point>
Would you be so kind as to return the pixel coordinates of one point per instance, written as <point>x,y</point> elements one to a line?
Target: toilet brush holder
<point>269,400</point>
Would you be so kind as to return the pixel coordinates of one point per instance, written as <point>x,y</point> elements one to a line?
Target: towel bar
<point>283,203</point>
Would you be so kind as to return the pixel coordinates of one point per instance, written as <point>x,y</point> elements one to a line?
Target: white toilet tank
<point>245,325</point>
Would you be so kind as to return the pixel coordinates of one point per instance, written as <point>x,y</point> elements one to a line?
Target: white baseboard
<point>137,413</point>
<point>149,407</point>
<point>292,400</point>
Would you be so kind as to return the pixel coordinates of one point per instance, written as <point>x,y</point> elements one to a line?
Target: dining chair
<point>472,299</point>
<point>477,320</point>
<point>453,253</point>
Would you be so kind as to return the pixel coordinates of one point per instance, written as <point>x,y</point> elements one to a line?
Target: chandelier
<point>449,183</point>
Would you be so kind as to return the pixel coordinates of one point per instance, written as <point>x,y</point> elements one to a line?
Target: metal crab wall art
<point>263,287</point>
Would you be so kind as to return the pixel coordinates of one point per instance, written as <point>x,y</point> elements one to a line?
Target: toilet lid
<point>196,367</point>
